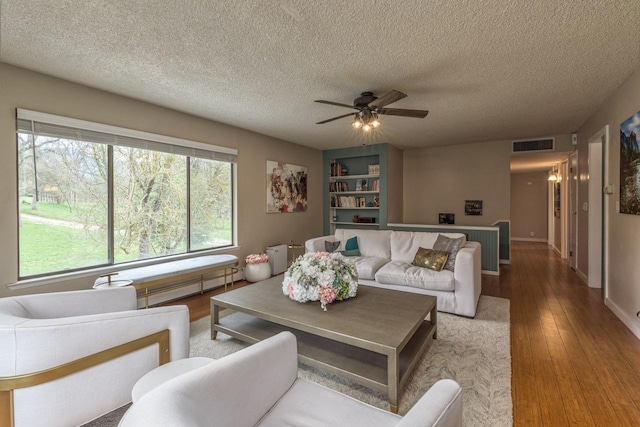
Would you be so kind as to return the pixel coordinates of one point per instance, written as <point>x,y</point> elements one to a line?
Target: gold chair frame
<point>8,384</point>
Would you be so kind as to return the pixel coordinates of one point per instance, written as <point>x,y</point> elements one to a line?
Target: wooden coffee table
<point>374,339</point>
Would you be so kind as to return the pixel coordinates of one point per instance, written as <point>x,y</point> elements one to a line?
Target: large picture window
<point>89,198</point>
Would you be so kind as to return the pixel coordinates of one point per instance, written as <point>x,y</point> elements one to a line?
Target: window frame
<point>171,145</point>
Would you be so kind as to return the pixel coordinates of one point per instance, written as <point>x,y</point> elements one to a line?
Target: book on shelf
<point>344,202</point>
<point>374,169</point>
<point>338,169</point>
<point>375,185</point>
<point>338,186</point>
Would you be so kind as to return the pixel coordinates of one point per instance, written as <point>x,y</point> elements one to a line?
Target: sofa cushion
<point>405,244</point>
<point>309,404</point>
<point>370,242</point>
<point>430,258</point>
<point>405,274</point>
<point>368,266</point>
<point>452,246</point>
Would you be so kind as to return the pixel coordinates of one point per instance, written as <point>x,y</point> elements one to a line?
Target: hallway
<point>573,361</point>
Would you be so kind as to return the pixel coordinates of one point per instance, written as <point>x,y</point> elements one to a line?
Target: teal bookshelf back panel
<point>505,240</point>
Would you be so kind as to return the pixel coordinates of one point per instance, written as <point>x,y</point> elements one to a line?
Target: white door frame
<point>572,210</point>
<point>564,209</point>
<point>598,210</point>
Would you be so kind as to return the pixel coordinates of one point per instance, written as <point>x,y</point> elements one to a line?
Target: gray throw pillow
<point>452,246</point>
<point>331,246</point>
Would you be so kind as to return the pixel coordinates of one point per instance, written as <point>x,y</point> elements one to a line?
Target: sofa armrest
<point>236,390</point>
<point>468,279</point>
<point>317,244</point>
<point>71,338</point>
<point>441,406</point>
<point>79,303</point>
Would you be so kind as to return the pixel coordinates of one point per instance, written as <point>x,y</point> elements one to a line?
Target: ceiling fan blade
<point>335,118</point>
<point>336,103</point>
<point>387,99</point>
<point>418,114</point>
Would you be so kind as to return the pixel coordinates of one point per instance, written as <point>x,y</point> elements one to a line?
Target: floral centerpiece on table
<point>256,258</point>
<point>320,276</point>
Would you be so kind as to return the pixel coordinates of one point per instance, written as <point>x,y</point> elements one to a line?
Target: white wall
<point>20,88</point>
<point>623,273</point>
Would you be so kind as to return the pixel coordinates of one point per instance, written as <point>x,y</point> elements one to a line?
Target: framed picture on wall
<point>473,207</point>
<point>630,166</point>
<point>286,187</point>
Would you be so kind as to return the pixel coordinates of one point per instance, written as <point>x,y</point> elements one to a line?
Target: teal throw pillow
<point>351,247</point>
<point>352,252</point>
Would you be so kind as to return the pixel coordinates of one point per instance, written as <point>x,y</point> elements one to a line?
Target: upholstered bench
<point>158,278</point>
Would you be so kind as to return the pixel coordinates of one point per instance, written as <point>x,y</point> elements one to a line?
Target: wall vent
<point>533,145</point>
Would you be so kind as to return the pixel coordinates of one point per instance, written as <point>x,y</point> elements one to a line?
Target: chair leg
<point>6,408</point>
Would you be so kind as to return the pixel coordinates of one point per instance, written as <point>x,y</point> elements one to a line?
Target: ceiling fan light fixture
<point>370,107</point>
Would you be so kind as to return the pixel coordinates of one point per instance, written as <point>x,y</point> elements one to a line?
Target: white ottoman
<point>164,373</point>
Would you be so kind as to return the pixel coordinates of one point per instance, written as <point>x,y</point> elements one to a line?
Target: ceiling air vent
<point>533,145</point>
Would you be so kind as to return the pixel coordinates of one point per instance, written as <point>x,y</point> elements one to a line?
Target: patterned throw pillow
<point>331,246</point>
<point>451,246</point>
<point>431,259</point>
<point>351,247</point>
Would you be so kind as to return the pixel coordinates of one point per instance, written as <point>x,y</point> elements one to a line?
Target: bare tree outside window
<point>64,204</point>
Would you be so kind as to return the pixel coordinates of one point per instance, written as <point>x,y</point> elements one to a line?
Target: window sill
<point>94,272</point>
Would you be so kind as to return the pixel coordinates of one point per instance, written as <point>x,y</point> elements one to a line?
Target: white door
<point>595,213</point>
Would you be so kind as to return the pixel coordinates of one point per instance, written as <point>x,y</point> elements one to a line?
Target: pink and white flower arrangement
<point>256,258</point>
<point>321,276</point>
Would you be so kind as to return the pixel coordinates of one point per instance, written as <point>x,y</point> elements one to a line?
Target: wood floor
<point>573,361</point>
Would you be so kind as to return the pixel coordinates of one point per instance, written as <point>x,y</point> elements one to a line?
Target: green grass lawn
<point>48,248</point>
<point>49,210</point>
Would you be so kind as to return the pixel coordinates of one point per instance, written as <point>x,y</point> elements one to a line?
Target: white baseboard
<point>629,321</point>
<point>528,239</point>
<point>490,272</point>
<point>505,261</point>
<point>582,276</point>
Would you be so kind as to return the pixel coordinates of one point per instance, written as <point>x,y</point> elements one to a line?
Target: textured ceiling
<point>486,70</point>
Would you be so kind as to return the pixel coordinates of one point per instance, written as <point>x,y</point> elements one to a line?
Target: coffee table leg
<point>215,318</point>
<point>393,373</point>
<point>434,320</point>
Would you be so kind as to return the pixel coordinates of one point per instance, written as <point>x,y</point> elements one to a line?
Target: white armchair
<point>71,357</point>
<point>259,386</point>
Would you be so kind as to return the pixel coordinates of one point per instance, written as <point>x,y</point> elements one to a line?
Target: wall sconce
<point>554,176</point>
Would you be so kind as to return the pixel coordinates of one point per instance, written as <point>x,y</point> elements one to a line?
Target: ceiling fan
<point>370,107</point>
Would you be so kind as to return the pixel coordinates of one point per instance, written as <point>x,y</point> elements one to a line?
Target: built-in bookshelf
<point>356,187</point>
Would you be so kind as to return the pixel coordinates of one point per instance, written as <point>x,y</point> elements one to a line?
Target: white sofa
<point>385,262</point>
<point>259,386</point>
<point>64,332</point>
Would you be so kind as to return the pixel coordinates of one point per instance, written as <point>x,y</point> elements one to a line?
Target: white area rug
<point>474,352</point>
